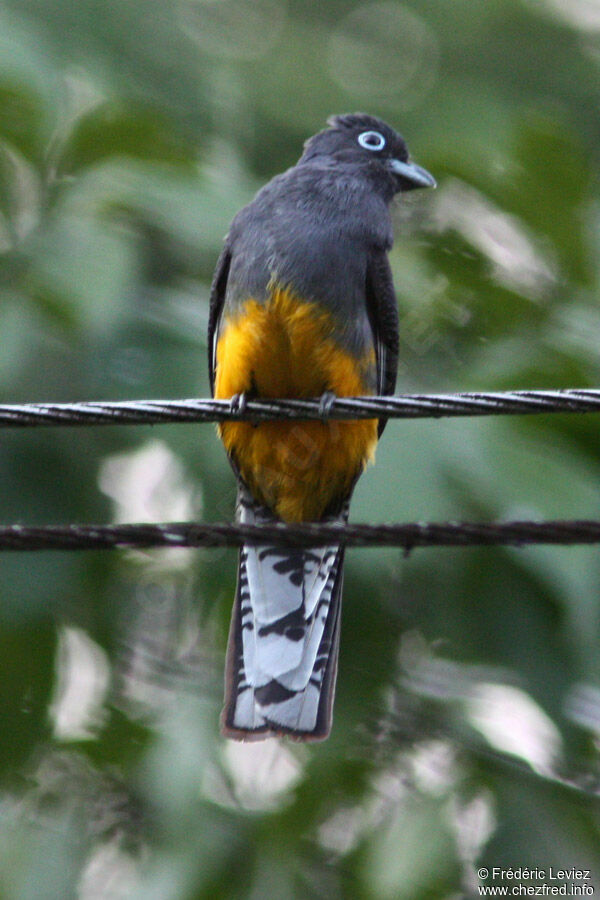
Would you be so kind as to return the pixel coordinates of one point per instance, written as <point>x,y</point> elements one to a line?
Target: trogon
<point>303,305</point>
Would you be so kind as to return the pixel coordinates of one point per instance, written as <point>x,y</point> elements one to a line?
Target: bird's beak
<point>413,175</point>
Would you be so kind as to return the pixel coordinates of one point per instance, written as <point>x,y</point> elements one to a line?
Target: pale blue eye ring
<point>371,140</point>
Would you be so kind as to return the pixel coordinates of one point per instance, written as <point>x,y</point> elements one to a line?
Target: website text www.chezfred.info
<point>534,882</point>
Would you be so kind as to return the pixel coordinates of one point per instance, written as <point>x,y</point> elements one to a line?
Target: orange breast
<point>285,348</point>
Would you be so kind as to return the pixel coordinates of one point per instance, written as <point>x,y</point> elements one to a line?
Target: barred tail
<point>284,639</point>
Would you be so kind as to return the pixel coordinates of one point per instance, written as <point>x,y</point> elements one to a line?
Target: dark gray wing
<point>383,314</point>
<point>217,297</point>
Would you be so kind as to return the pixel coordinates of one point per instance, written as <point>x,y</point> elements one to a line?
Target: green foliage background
<point>468,714</point>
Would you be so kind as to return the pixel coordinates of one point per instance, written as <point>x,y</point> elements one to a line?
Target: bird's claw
<point>326,402</point>
<point>237,404</point>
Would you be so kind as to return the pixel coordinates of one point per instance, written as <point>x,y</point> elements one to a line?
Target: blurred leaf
<point>112,130</point>
<point>554,171</point>
<point>27,669</point>
<point>414,856</point>
<point>28,88</point>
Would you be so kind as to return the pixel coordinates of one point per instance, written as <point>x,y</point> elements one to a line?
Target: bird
<point>302,304</point>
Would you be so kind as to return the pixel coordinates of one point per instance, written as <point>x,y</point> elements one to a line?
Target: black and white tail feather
<point>284,637</point>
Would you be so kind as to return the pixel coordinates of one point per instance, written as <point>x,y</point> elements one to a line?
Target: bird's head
<point>363,140</point>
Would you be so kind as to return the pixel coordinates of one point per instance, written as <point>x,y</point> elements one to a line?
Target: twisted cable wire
<point>404,535</point>
<point>404,406</point>
<point>306,534</point>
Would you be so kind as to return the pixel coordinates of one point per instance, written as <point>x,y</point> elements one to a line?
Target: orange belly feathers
<point>285,348</point>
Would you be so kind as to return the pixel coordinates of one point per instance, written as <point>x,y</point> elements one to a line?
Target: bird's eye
<point>371,140</point>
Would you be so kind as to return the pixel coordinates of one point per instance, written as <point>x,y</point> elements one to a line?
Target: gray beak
<point>414,174</point>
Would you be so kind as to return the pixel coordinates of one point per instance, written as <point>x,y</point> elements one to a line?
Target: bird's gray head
<point>365,141</point>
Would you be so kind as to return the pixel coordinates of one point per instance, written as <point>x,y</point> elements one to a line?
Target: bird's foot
<point>326,401</point>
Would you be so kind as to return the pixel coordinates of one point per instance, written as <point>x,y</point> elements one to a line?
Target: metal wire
<point>404,406</point>
<point>307,534</point>
<point>407,536</point>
